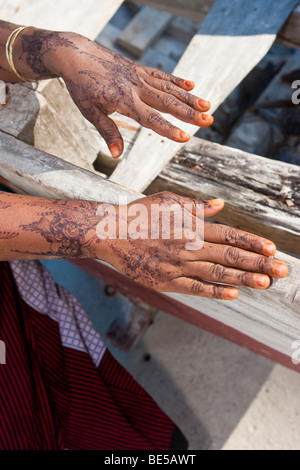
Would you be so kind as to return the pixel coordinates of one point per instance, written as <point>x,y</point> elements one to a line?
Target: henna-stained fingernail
<point>189,84</point>
<point>204,104</point>
<point>114,150</point>
<point>184,136</point>
<point>269,249</point>
<point>232,293</point>
<point>281,270</point>
<point>262,281</point>
<point>206,117</point>
<point>216,202</point>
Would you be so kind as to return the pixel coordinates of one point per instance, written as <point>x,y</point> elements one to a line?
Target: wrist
<point>102,235</point>
<point>40,54</point>
<point>60,56</point>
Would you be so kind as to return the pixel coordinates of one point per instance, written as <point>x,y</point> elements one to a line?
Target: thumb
<point>110,133</point>
<point>211,206</point>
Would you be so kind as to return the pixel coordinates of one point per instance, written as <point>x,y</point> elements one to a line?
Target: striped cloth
<point>53,395</point>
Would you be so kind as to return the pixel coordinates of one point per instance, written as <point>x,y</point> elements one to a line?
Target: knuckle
<point>197,287</point>
<point>175,80</point>
<point>246,279</point>
<point>152,118</point>
<point>158,74</point>
<point>231,235</point>
<point>232,255</point>
<point>261,264</point>
<point>168,195</point>
<point>218,292</point>
<point>169,100</point>
<point>165,197</point>
<point>168,87</point>
<point>108,134</point>
<point>217,271</point>
<point>191,113</point>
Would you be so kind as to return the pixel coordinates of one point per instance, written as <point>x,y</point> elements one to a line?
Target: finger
<point>211,207</point>
<point>170,89</point>
<point>167,103</point>
<point>191,286</point>
<point>181,82</point>
<point>218,273</point>
<point>151,119</point>
<point>109,131</point>
<point>241,259</point>
<point>217,233</point>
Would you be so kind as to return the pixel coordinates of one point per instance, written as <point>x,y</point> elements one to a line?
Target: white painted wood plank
<point>271,317</point>
<point>86,17</point>
<point>143,30</point>
<point>234,37</point>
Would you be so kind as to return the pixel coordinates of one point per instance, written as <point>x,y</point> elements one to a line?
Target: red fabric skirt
<point>52,397</point>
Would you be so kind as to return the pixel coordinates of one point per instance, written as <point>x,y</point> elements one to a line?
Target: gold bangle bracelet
<point>9,52</point>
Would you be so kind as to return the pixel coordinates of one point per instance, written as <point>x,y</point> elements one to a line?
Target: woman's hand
<point>102,82</point>
<point>157,241</point>
<point>228,256</point>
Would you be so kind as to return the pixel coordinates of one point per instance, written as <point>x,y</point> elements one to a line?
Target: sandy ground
<point>220,395</point>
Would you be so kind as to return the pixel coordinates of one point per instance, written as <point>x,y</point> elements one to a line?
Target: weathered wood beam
<point>290,32</point>
<point>29,170</point>
<point>269,319</point>
<point>233,38</point>
<point>196,10</point>
<point>262,195</point>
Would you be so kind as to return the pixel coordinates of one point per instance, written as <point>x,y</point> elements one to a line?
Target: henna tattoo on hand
<point>4,196</point>
<point>8,235</point>
<point>37,45</point>
<point>67,226</point>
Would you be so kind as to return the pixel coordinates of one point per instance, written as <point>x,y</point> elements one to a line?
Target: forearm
<point>36,228</point>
